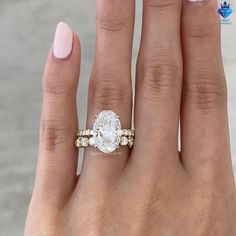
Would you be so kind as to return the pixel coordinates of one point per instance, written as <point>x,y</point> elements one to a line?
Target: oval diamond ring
<point>107,134</point>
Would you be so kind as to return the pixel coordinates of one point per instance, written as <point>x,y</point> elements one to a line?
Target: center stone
<point>106,131</point>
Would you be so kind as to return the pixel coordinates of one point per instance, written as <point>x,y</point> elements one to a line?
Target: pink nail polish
<point>63,41</point>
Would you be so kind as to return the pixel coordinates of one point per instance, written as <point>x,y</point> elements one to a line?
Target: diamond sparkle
<point>106,131</point>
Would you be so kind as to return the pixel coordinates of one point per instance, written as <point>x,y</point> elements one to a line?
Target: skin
<point>153,189</point>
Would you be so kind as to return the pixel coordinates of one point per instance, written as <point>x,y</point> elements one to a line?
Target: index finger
<point>57,162</point>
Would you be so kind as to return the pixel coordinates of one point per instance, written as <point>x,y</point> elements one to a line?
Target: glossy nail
<point>63,41</point>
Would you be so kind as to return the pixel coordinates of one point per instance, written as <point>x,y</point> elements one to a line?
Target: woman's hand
<point>154,189</point>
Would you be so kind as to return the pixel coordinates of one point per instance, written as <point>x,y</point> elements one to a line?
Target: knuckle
<point>155,197</point>
<point>158,202</point>
<point>52,88</point>
<point>97,220</point>
<point>199,30</point>
<point>158,80</point>
<point>56,84</point>
<point>206,92</point>
<point>195,27</point>
<point>54,134</point>
<point>159,4</point>
<point>111,23</point>
<point>151,208</point>
<point>108,94</point>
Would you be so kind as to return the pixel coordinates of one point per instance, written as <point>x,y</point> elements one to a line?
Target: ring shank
<point>85,138</point>
<point>89,132</point>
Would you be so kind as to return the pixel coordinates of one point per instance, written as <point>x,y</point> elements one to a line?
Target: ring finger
<point>110,84</point>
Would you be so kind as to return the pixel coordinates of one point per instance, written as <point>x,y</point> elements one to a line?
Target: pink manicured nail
<point>63,41</point>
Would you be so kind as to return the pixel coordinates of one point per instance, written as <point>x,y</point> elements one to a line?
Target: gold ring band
<point>85,138</point>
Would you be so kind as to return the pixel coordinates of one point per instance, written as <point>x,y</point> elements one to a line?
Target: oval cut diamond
<point>106,131</point>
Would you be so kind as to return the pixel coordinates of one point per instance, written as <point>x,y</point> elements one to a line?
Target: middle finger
<point>158,88</point>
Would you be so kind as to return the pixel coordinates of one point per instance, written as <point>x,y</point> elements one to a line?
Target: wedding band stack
<point>86,138</point>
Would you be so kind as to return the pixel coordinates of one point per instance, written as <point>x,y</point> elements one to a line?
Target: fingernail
<point>63,41</point>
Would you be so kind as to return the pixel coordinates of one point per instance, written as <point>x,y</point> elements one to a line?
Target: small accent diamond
<point>77,143</point>
<point>91,141</point>
<point>131,141</point>
<point>124,141</point>
<point>84,142</point>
